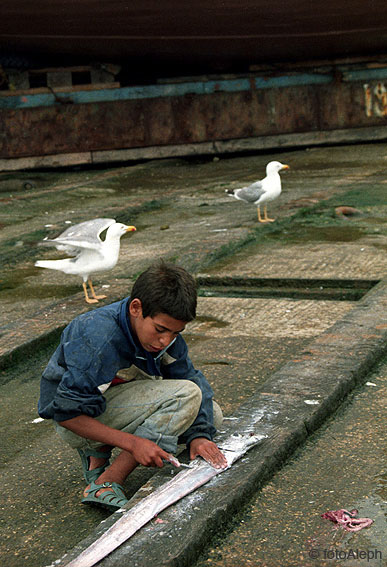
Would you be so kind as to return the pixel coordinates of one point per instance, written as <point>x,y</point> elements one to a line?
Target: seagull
<point>262,191</point>
<point>91,254</point>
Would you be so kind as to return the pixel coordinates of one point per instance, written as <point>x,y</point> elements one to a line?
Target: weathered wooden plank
<point>178,114</point>
<point>71,69</point>
<point>204,148</point>
<point>242,84</point>
<point>70,89</point>
<point>60,160</point>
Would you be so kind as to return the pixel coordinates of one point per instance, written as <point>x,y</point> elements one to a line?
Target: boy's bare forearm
<point>90,428</point>
<point>144,451</point>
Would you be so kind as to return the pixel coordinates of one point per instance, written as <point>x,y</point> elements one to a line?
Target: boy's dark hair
<point>166,288</point>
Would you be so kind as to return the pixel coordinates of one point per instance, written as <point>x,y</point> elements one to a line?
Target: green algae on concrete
<point>317,223</point>
<point>183,213</point>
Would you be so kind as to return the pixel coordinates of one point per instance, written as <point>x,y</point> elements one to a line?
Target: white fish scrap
<point>185,482</point>
<point>37,420</point>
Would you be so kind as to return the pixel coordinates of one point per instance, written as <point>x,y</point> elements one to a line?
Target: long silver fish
<point>198,473</point>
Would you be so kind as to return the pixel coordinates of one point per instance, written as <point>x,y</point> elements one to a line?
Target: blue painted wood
<point>187,88</point>
<point>297,80</point>
<point>365,74</point>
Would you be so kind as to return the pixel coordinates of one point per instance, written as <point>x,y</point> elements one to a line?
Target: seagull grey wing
<point>84,235</point>
<point>70,250</point>
<point>62,247</point>
<point>251,193</point>
<point>86,230</point>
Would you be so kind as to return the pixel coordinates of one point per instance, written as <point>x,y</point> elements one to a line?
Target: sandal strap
<point>114,497</point>
<point>91,476</point>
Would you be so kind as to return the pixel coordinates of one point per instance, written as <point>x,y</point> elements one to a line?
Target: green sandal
<point>91,476</point>
<point>112,500</point>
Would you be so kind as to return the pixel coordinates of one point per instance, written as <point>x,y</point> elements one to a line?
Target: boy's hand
<point>147,453</point>
<point>209,451</point>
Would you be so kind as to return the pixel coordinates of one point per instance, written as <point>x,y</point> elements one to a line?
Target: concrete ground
<point>340,466</point>
<point>182,213</point>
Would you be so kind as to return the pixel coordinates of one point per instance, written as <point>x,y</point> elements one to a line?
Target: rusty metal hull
<point>222,34</point>
<point>259,107</point>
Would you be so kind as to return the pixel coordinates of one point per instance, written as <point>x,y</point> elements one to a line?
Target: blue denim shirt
<point>93,348</point>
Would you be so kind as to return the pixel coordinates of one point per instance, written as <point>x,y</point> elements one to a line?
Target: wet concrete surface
<point>181,213</point>
<point>341,466</point>
<point>293,402</point>
<point>44,518</point>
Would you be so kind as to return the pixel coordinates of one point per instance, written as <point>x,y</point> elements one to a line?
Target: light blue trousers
<point>158,410</point>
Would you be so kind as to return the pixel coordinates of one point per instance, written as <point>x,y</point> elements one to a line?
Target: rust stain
<point>190,119</point>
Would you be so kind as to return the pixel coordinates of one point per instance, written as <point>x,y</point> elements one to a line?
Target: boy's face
<point>153,333</point>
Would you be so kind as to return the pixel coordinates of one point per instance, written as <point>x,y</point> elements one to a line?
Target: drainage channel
<point>294,288</point>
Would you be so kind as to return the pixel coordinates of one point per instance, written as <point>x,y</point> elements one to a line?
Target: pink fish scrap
<point>347,520</point>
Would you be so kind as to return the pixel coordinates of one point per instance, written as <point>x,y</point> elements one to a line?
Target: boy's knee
<point>190,399</point>
<point>193,394</point>
<point>218,416</point>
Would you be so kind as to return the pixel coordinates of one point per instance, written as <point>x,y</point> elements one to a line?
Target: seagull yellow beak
<point>130,229</point>
<point>285,166</point>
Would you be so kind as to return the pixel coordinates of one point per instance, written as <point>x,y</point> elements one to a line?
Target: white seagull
<point>261,192</point>
<point>91,254</point>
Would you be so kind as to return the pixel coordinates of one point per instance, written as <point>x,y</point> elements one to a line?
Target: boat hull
<point>223,34</point>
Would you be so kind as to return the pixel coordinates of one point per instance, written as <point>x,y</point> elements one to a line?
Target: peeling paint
<point>375,100</point>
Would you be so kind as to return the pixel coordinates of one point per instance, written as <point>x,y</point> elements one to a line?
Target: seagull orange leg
<point>93,292</point>
<point>265,217</point>
<point>87,298</point>
<point>260,219</point>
